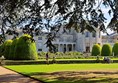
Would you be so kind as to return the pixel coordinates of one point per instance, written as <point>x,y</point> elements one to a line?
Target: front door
<point>87,49</point>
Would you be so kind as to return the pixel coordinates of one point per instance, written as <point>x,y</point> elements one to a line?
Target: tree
<point>96,50</point>
<point>106,50</point>
<point>115,49</point>
<point>80,14</point>
<point>25,48</point>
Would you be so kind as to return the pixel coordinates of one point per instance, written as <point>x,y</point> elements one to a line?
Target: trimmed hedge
<point>25,48</point>
<point>1,50</point>
<point>115,49</point>
<point>61,55</point>
<point>6,46</point>
<point>96,50</point>
<point>28,62</point>
<point>12,49</point>
<point>106,50</point>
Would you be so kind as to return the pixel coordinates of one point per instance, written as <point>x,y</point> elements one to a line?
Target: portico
<point>65,47</point>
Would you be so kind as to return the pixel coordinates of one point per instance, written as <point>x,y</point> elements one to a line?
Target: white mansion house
<point>70,40</point>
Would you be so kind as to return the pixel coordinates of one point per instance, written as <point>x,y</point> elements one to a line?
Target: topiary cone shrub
<point>25,48</point>
<point>6,47</point>
<point>106,50</point>
<point>1,50</point>
<point>96,50</point>
<point>12,49</point>
<point>115,49</point>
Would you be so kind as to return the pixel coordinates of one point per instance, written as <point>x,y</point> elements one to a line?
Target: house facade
<point>111,38</point>
<point>70,40</point>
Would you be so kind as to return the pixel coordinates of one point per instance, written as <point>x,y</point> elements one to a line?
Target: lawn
<point>71,73</point>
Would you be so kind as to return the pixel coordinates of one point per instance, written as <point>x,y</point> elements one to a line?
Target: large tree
<point>51,14</point>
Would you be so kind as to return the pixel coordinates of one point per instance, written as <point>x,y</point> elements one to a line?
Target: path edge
<point>24,75</point>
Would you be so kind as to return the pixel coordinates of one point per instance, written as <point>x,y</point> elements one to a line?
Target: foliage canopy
<point>80,14</point>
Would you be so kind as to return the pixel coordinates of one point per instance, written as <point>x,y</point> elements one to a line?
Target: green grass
<point>47,72</point>
<point>62,67</point>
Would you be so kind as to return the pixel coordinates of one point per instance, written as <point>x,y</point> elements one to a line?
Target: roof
<point>112,34</point>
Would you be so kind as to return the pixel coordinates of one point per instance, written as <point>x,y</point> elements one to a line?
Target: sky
<point>106,14</point>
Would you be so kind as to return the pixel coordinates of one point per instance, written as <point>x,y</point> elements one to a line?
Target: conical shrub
<point>6,47</point>
<point>106,50</point>
<point>1,50</point>
<point>96,50</point>
<point>26,48</point>
<point>115,49</point>
<point>12,49</point>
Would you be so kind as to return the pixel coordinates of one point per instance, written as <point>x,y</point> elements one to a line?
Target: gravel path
<point>8,76</point>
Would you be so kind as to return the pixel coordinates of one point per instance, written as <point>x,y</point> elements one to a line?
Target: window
<point>39,49</point>
<point>39,38</point>
<point>93,34</point>
<point>87,34</point>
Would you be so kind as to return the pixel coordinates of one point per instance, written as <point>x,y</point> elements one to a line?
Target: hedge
<point>115,49</point>
<point>57,62</point>
<point>1,50</point>
<point>25,48</point>
<point>61,55</point>
<point>6,47</point>
<point>12,49</point>
<point>106,50</point>
<point>96,50</point>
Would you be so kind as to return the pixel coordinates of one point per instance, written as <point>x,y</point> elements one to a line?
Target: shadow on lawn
<point>107,80</point>
<point>74,77</point>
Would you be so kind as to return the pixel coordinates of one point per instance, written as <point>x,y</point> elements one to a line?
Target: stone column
<point>58,47</point>
<point>66,47</point>
<point>62,48</point>
<point>72,47</point>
